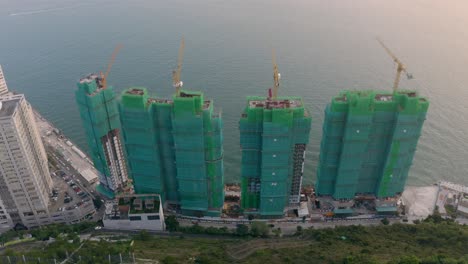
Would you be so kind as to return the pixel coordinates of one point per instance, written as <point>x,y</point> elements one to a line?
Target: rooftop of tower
<point>280,103</point>
<point>368,101</point>
<point>89,79</point>
<point>8,105</point>
<point>378,96</point>
<point>140,91</point>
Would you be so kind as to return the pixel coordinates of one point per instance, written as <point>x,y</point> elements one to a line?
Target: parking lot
<point>66,194</point>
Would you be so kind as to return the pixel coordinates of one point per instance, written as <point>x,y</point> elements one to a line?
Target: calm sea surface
<point>322,46</point>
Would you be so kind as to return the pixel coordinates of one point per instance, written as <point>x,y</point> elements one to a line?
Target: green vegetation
<point>97,203</point>
<point>172,224</point>
<point>434,240</point>
<point>385,221</point>
<point>451,210</point>
<point>257,229</point>
<point>49,231</point>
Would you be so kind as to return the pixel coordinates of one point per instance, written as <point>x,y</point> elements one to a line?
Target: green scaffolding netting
<point>268,138</point>
<point>368,143</point>
<point>183,139</point>
<point>99,115</point>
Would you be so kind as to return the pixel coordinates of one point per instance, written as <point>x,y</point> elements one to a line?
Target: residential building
<point>175,148</point>
<point>368,144</point>
<point>274,134</point>
<point>98,110</point>
<point>3,85</point>
<point>25,181</point>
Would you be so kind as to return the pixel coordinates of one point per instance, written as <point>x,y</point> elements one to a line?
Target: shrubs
<point>385,221</point>
<point>242,230</point>
<point>45,232</point>
<point>259,229</point>
<point>172,224</point>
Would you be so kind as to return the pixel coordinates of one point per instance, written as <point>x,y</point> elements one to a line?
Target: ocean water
<point>322,47</point>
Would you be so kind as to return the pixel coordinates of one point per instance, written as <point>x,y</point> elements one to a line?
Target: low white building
<point>462,208</point>
<point>135,212</point>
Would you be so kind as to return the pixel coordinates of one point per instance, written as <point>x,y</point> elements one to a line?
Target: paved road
<point>60,145</point>
<point>289,228</point>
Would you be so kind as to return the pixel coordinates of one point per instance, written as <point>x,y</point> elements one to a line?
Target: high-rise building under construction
<point>273,138</point>
<point>97,105</point>
<point>175,148</point>
<point>368,143</point>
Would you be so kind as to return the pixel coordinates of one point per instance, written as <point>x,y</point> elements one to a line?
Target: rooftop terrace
<point>138,204</point>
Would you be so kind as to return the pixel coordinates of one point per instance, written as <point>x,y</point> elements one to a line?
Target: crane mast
<point>109,66</point>
<point>176,82</point>
<point>400,66</point>
<point>276,77</point>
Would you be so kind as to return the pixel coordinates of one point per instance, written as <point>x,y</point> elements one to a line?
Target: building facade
<point>273,139</point>
<point>3,85</point>
<point>175,148</point>
<point>368,143</point>
<point>98,110</point>
<point>25,181</point>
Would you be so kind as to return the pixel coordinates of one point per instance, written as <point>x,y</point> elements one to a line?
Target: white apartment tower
<point>25,181</point>
<point>3,85</point>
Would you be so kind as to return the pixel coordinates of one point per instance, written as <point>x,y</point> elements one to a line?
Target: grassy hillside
<point>432,241</point>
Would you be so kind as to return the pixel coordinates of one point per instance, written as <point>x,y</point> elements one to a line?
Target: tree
<point>298,230</point>
<point>172,224</point>
<point>250,217</point>
<point>242,230</point>
<point>259,229</point>
<point>97,203</point>
<point>385,221</point>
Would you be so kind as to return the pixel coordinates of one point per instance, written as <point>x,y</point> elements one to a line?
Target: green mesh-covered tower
<point>273,138</point>
<point>174,148</point>
<point>369,140</point>
<point>100,117</point>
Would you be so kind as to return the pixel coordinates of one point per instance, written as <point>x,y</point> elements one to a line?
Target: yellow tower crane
<point>276,77</point>
<point>176,82</point>
<point>109,66</point>
<point>400,66</point>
